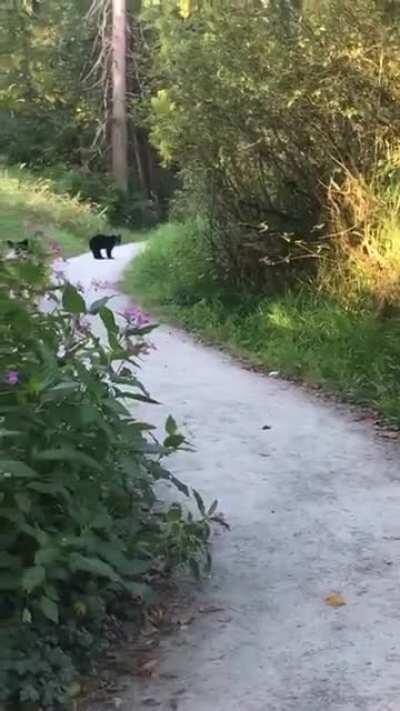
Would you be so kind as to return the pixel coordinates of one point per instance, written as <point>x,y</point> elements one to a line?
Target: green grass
<point>29,204</point>
<point>303,335</point>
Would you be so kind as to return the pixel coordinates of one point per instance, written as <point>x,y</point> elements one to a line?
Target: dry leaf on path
<point>335,600</point>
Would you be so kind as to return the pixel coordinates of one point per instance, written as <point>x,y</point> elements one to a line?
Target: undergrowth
<point>348,348</point>
<point>83,534</point>
<point>29,204</point>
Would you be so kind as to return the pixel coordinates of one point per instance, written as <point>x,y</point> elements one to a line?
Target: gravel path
<point>314,505</point>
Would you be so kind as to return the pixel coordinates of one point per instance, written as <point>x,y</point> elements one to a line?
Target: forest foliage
<point>285,124</point>
<point>270,131</point>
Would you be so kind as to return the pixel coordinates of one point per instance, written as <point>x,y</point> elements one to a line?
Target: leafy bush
<point>81,528</point>
<point>132,209</point>
<point>364,264</point>
<point>264,110</point>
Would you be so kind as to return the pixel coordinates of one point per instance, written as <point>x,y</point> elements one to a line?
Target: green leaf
<point>108,319</point>
<point>136,396</point>
<point>61,389</point>
<point>200,502</point>
<point>11,467</point>
<point>88,415</point>
<point>213,508</point>
<point>142,426</point>
<point>10,433</point>
<point>53,488</point>
<point>68,454</point>
<point>99,304</point>
<point>72,301</point>
<point>49,609</point>
<point>174,441</point>
<point>170,426</point>
<point>33,578</point>
<point>46,556</point>
<point>160,473</point>
<point>23,501</point>
<point>94,566</point>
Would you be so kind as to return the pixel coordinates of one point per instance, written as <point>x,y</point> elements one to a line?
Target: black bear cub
<point>107,242</point>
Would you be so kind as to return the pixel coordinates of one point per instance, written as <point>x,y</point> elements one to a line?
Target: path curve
<point>314,505</point>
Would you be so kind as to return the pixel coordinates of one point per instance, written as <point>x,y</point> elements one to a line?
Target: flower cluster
<point>12,377</point>
<point>133,315</point>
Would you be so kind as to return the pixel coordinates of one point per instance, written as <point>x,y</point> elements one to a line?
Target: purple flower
<point>12,377</point>
<point>79,286</point>
<point>135,316</point>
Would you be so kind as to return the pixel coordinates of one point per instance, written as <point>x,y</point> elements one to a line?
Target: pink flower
<point>12,377</point>
<point>135,316</point>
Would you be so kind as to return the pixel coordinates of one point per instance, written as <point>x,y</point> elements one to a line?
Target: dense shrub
<point>132,209</point>
<point>81,529</point>
<point>265,111</point>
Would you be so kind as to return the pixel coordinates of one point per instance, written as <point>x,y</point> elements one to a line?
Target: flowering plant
<point>81,526</point>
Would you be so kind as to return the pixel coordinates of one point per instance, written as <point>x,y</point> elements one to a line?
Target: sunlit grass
<point>28,205</point>
<point>306,335</point>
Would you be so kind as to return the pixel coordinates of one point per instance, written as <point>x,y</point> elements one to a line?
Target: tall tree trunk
<point>120,119</point>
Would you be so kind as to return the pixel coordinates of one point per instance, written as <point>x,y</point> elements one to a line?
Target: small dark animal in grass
<point>107,242</point>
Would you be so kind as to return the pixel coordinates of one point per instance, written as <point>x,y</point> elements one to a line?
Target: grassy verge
<point>28,204</point>
<point>306,335</point>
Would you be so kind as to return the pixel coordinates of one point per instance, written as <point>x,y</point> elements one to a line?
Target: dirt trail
<point>314,505</point>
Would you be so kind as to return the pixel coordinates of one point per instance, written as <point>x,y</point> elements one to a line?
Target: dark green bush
<point>80,526</point>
